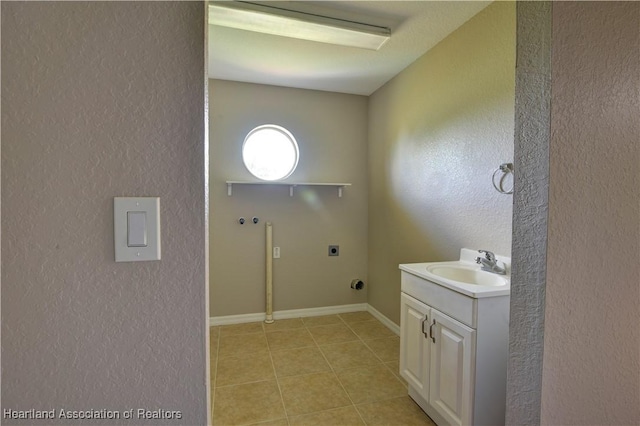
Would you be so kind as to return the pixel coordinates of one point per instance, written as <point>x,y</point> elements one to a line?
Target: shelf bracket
<point>291,191</point>
<point>340,191</point>
<point>229,189</point>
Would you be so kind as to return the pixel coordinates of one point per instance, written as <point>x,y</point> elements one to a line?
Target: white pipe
<point>269,275</point>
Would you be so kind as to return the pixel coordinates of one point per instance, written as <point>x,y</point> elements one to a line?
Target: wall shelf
<point>291,185</point>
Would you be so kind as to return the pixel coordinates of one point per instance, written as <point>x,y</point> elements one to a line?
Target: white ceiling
<point>416,26</point>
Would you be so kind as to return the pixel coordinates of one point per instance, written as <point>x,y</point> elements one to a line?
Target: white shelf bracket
<point>340,191</point>
<point>291,191</point>
<point>229,189</point>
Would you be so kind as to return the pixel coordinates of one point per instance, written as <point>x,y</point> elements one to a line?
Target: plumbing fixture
<point>490,263</point>
<point>269,273</point>
<point>357,284</point>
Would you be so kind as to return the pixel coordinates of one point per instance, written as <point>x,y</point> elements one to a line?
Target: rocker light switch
<point>136,230</point>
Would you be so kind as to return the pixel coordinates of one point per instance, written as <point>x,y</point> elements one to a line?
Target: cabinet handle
<point>431,331</point>
<point>423,330</point>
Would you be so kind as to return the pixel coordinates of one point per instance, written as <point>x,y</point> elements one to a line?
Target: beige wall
<point>331,131</point>
<point>591,368</point>
<point>437,131</point>
<point>101,100</point>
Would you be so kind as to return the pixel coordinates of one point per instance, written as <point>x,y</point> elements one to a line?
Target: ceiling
<point>416,26</point>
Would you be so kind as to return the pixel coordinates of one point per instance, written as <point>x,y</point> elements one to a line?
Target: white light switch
<point>136,228</point>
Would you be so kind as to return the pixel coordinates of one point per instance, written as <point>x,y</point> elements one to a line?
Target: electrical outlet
<point>334,250</point>
<point>276,252</point>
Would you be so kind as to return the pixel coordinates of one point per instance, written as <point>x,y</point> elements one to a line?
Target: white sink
<point>464,276</point>
<point>468,275</point>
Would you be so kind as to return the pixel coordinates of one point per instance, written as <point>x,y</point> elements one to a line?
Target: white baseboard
<point>292,313</point>
<point>237,319</point>
<point>309,312</point>
<point>383,319</point>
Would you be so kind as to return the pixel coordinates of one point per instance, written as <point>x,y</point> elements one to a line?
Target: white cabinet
<point>414,346</point>
<point>453,360</point>
<point>437,357</point>
<point>453,352</point>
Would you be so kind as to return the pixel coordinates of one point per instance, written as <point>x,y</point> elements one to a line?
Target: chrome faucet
<point>490,263</point>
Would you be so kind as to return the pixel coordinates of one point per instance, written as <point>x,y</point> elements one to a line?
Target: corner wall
<point>102,99</point>
<point>591,368</point>
<point>437,132</point>
<point>529,261</point>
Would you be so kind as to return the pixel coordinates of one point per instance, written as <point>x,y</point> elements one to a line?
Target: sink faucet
<point>490,263</point>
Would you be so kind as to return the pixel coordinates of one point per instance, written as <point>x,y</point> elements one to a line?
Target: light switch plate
<point>150,206</point>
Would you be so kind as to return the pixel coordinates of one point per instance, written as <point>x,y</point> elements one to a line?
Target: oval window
<point>270,152</point>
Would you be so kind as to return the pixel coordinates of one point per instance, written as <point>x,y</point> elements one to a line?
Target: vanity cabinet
<point>453,352</point>
<point>414,344</point>
<point>437,356</point>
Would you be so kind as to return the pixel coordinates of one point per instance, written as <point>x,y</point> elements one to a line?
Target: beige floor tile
<point>323,320</point>
<point>387,349</point>
<point>247,393</point>
<point>249,327</point>
<point>334,333</point>
<point>342,356</point>
<point>242,345</point>
<point>244,369</point>
<point>393,412</point>
<point>289,339</point>
<point>213,399</point>
<point>394,366</point>
<point>311,393</point>
<point>285,324</point>
<point>214,331</point>
<point>345,416</point>
<point>213,356</point>
<point>279,422</point>
<point>373,383</point>
<point>295,362</point>
<point>213,366</point>
<point>352,317</point>
<point>371,330</point>
<point>213,351</point>
<point>248,403</point>
<point>214,336</point>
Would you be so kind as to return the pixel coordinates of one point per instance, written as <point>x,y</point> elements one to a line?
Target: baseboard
<point>292,313</point>
<point>237,319</point>
<point>309,312</point>
<point>383,319</point>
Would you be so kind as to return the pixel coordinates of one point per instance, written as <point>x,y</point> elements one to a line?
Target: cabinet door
<point>414,345</point>
<point>452,369</point>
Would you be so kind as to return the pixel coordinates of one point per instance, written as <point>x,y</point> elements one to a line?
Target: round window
<point>270,152</point>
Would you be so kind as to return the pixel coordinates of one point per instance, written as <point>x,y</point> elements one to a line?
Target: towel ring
<point>506,169</point>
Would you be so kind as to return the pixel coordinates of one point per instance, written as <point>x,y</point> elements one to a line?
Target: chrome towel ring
<point>498,181</point>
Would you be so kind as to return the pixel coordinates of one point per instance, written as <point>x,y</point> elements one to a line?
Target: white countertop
<point>467,261</point>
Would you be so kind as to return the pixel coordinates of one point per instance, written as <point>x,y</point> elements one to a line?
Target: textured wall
<point>331,131</point>
<point>102,99</point>
<point>533,96</point>
<point>591,371</point>
<point>437,132</point>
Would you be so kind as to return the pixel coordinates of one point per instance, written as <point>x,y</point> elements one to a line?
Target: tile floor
<point>329,370</point>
